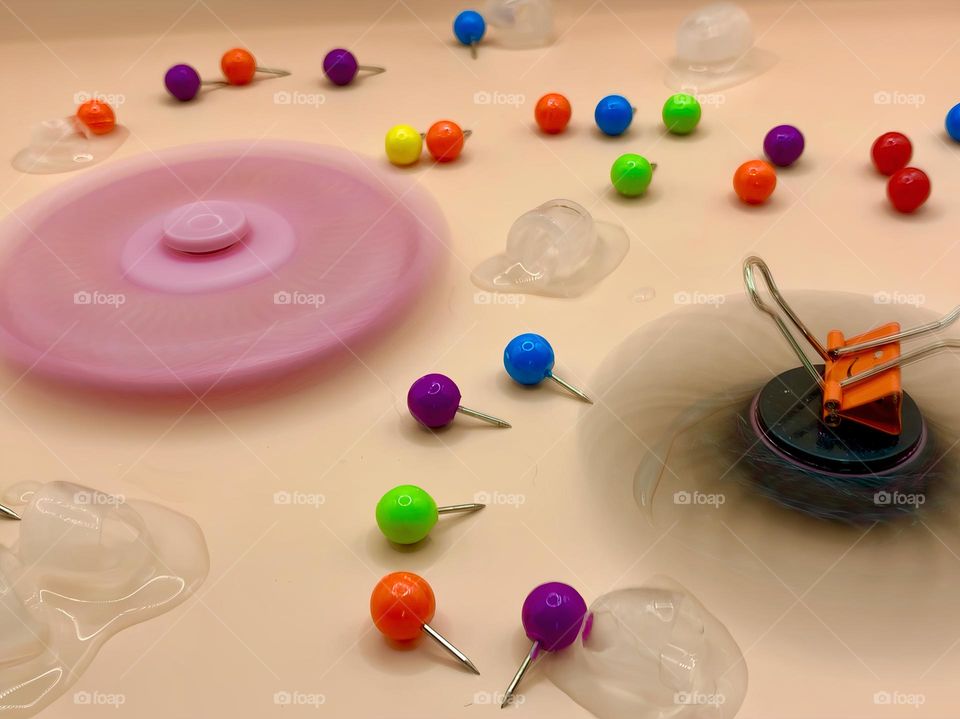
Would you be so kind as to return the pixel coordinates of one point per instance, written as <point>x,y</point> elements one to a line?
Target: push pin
<point>404,144</point>
<point>552,615</point>
<point>613,115</point>
<point>341,67</point>
<point>434,401</point>
<point>552,113</point>
<point>529,359</point>
<point>238,66</point>
<point>97,116</point>
<point>631,174</point>
<point>470,27</point>
<point>407,513</point>
<point>402,605</point>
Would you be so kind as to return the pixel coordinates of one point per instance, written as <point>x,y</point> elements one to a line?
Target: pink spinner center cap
<point>206,226</point>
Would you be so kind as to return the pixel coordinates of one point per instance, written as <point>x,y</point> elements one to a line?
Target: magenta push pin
<point>552,615</point>
<point>434,401</point>
<point>341,67</point>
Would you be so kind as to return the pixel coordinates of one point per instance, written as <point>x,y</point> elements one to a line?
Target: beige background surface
<point>285,606</point>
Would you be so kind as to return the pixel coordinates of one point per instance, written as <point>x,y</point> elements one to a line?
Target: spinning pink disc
<point>210,265</point>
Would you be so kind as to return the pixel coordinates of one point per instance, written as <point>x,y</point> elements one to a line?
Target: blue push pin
<point>529,359</point>
<point>953,123</point>
<point>613,115</point>
<point>469,27</point>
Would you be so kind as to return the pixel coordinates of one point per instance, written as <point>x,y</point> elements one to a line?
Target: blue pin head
<point>613,115</point>
<point>528,358</point>
<point>469,27</point>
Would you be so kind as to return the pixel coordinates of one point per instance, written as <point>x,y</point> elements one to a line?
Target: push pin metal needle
<point>552,616</point>
<point>434,401</point>
<point>407,513</point>
<point>529,359</point>
<point>8,513</point>
<point>402,606</point>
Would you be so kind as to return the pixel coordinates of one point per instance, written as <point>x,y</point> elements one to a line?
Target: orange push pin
<point>239,67</point>
<point>445,140</point>
<point>97,116</point>
<point>402,606</point>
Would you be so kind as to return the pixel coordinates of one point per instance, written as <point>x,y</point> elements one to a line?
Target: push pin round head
<point>407,513</point>
<point>529,359</point>
<point>552,113</point>
<point>445,140</point>
<point>402,605</point>
<point>754,181</point>
<point>403,145</point>
<point>783,145</point>
<point>631,174</point>
<point>97,116</point>
<point>552,616</point>
<point>341,67</point>
<point>183,82</point>
<point>469,27</point>
<point>681,113</point>
<point>434,401</point>
<point>613,115</point>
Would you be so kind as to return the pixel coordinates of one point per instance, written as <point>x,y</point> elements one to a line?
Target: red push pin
<point>402,606</point>
<point>891,152</point>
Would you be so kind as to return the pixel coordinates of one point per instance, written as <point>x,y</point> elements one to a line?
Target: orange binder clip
<point>860,379</point>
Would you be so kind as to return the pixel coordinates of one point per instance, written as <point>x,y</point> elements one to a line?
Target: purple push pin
<point>552,615</point>
<point>340,66</point>
<point>183,82</point>
<point>434,401</point>
<point>783,145</point>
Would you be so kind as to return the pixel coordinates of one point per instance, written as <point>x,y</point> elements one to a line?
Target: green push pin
<point>631,174</point>
<point>681,113</point>
<point>406,514</point>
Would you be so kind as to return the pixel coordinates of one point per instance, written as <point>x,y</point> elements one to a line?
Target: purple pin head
<point>340,66</point>
<point>783,145</point>
<point>433,400</point>
<point>183,82</point>
<point>552,615</point>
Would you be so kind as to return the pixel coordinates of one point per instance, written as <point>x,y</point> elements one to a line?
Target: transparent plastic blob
<point>557,250</point>
<point>652,652</point>
<point>65,144</point>
<point>675,394</point>
<point>86,565</point>
<point>715,50</point>
<point>521,23</point>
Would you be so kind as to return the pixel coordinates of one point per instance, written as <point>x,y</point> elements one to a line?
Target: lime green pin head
<point>406,514</point>
<point>681,113</point>
<point>631,174</point>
